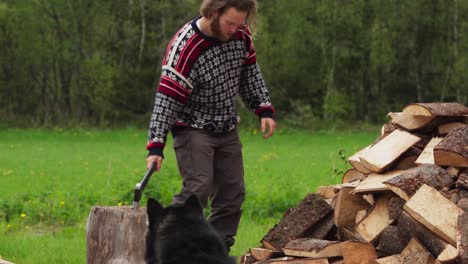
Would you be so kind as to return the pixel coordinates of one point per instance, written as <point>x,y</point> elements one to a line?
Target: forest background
<point>97,63</point>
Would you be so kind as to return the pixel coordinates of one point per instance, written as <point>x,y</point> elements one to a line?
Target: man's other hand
<point>267,122</point>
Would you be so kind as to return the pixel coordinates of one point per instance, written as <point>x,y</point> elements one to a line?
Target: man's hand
<point>270,123</point>
<point>154,159</point>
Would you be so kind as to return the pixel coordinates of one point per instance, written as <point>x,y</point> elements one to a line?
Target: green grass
<point>50,179</point>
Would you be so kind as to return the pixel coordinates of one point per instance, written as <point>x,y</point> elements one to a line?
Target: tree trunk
<point>115,235</point>
<point>143,31</point>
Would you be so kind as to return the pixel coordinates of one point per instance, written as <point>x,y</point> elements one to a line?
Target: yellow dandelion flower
<point>23,215</point>
<point>8,226</point>
<point>62,203</point>
<point>119,204</point>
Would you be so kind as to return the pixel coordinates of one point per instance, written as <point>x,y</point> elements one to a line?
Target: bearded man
<point>208,62</point>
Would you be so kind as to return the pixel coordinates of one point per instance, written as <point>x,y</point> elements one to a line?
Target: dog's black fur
<point>179,234</point>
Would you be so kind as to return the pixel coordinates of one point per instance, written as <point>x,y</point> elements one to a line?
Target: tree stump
<point>116,235</point>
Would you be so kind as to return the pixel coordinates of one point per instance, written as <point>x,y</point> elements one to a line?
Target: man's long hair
<point>209,7</point>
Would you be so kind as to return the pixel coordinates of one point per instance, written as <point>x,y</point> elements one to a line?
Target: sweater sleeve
<point>173,89</point>
<point>253,90</point>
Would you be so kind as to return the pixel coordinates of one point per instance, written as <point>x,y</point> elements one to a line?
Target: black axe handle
<point>139,187</point>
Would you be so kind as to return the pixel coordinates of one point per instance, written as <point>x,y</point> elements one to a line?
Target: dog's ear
<point>193,203</point>
<point>154,209</point>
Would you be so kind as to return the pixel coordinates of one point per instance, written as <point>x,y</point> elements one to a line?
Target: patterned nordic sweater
<point>200,80</point>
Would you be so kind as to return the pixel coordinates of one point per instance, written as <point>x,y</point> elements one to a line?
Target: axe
<point>139,187</point>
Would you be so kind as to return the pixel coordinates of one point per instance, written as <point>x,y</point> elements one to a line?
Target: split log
<point>116,235</point>
<point>410,122</point>
<point>443,221</point>
<point>263,253</point>
<point>394,259</point>
<point>351,175</point>
<point>419,257</point>
<point>413,246</point>
<point>386,151</point>
<point>376,221</point>
<point>406,184</point>
<point>326,192</point>
<point>347,206</point>
<point>355,160</point>
<point>452,150</point>
<point>313,248</point>
<point>387,129</point>
<point>297,221</point>
<point>292,260</point>
<point>369,198</point>
<point>349,234</point>
<point>247,259</point>
<point>449,255</point>
<point>453,172</point>
<point>462,235</point>
<point>375,182</point>
<point>410,227</point>
<point>357,252</point>
<point>392,241</point>
<point>408,159</point>
<point>447,128</point>
<point>427,156</point>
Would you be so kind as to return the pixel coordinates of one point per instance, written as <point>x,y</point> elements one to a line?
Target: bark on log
<point>406,184</point>
<point>313,248</point>
<point>395,207</point>
<point>116,235</point>
<point>392,241</point>
<point>322,228</point>
<point>297,221</point>
<point>411,228</point>
<point>436,109</point>
<point>387,129</point>
<point>453,150</point>
<point>462,181</point>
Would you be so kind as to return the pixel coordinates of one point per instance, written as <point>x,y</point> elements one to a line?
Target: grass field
<point>50,179</point>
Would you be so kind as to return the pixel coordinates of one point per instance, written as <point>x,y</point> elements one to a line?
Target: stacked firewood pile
<point>404,201</point>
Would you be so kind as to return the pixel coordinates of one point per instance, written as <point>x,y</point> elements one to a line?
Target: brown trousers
<point>211,167</point>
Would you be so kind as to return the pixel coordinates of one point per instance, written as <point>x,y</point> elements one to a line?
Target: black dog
<point>179,234</point>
